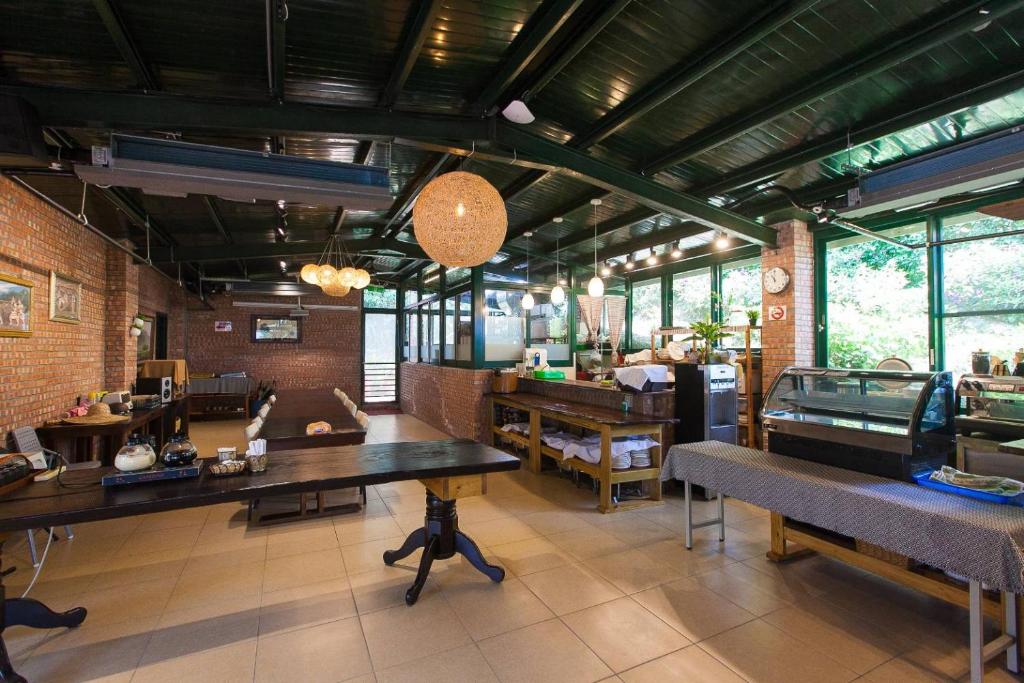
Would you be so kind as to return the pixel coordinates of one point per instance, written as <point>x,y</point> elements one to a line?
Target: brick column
<point>790,341</point>
<point>122,303</point>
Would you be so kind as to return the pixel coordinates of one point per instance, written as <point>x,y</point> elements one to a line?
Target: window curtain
<point>590,314</point>
<point>616,321</point>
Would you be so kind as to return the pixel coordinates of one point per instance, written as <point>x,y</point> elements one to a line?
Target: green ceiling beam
<point>562,210</point>
<point>692,259</point>
<point>655,239</point>
<point>266,250</point>
<point>362,154</point>
<point>421,20</point>
<point>217,219</point>
<point>532,39</point>
<point>277,15</point>
<point>936,29</point>
<point>130,52</point>
<point>834,144</point>
<point>137,215</point>
<point>401,212</point>
<point>603,15</point>
<point>663,199</point>
<point>89,109</point>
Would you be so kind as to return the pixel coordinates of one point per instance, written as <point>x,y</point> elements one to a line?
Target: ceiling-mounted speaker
<point>21,135</point>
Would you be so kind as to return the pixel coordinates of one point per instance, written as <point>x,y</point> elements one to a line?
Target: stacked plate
<point>640,458</point>
<point>621,462</point>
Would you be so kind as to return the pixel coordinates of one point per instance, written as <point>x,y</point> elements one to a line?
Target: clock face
<point>775,280</point>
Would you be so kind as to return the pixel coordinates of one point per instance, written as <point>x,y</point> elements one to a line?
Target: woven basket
<point>880,553</point>
<point>505,383</point>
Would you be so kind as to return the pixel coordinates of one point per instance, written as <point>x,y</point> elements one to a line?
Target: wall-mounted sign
<point>776,313</point>
<point>222,326</point>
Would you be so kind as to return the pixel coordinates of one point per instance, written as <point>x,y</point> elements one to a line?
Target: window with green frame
<point>504,325</point>
<point>410,341</point>
<point>464,329</point>
<point>380,297</point>
<point>646,312</point>
<point>982,297</point>
<point>691,297</point>
<point>741,292</point>
<point>877,300</point>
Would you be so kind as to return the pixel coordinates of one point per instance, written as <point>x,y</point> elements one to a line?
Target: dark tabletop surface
<point>584,410</point>
<point>82,498</point>
<point>294,409</point>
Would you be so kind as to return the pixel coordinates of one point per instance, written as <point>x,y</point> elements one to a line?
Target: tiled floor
<point>195,595</point>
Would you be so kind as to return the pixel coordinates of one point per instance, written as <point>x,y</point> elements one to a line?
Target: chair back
<point>27,441</point>
<point>251,431</point>
<point>258,421</point>
<point>363,419</point>
<point>264,409</point>
<point>273,399</point>
<point>353,408</point>
<point>340,394</point>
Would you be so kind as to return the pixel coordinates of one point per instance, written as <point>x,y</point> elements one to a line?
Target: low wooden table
<point>285,425</point>
<point>448,470</point>
<point>608,423</point>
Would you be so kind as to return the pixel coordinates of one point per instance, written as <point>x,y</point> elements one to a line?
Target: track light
<point>677,250</point>
<point>629,265</point>
<point>652,260</point>
<point>722,241</point>
<point>606,270</point>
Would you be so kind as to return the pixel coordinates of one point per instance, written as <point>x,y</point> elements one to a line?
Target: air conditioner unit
<point>299,312</point>
<point>175,168</point>
<point>986,163</point>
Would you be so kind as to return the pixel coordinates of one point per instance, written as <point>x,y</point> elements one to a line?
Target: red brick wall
<point>157,294</point>
<point>120,353</point>
<point>790,341</point>
<point>329,355</point>
<point>42,375</point>
<point>449,399</point>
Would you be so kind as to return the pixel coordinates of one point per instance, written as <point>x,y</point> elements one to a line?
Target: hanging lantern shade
<point>347,276</point>
<point>362,278</point>
<point>527,302</point>
<point>460,219</point>
<point>595,287</point>
<point>336,289</point>
<point>557,295</point>
<point>308,273</point>
<point>326,274</point>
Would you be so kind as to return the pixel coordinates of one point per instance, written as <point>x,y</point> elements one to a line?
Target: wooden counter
<point>605,421</point>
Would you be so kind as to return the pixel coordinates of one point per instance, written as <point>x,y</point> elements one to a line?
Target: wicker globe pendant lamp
<point>596,285</point>
<point>334,280</point>
<point>460,219</point>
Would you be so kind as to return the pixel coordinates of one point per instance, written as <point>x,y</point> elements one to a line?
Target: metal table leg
<point>1010,613</point>
<point>977,630</point>
<point>690,526</point>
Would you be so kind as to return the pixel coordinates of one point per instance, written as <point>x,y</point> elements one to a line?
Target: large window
<point>380,297</point>
<point>877,301</point>
<point>982,290</point>
<point>691,297</point>
<point>449,328</point>
<point>410,346</point>
<point>464,329</point>
<point>504,325</point>
<point>549,329</point>
<point>741,292</point>
<point>646,315</point>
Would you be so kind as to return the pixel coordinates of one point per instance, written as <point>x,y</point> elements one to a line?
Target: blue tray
<point>923,479</point>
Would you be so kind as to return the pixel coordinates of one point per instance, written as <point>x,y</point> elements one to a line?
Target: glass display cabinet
<point>993,405</point>
<point>886,423</point>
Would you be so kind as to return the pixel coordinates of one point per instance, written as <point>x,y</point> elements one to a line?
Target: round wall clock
<point>775,280</point>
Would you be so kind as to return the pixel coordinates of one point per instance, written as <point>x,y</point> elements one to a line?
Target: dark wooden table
<point>448,469</point>
<point>76,441</point>
<point>285,425</point>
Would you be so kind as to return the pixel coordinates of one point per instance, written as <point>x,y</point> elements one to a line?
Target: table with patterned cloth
<point>221,385</point>
<point>981,541</point>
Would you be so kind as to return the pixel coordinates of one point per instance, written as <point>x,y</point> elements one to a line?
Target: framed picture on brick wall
<point>276,329</point>
<point>146,348</point>
<point>65,299</point>
<point>15,306</point>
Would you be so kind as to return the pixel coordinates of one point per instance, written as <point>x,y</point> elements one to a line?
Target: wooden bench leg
<point>606,504</point>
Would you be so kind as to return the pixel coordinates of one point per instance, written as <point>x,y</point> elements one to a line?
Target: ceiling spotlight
<point>722,241</point>
<point>280,204</point>
<point>562,282</point>
<point>518,112</point>
<point>652,260</point>
<point>606,270</point>
<point>284,266</point>
<point>677,250</point>
<point>984,11</point>
<point>629,265</point>
<point>556,219</point>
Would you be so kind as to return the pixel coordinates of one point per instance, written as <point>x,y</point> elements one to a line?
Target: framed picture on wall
<point>65,299</point>
<point>146,349</point>
<point>15,306</point>
<point>276,329</point>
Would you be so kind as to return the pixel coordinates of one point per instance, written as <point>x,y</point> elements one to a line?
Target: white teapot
<point>135,455</point>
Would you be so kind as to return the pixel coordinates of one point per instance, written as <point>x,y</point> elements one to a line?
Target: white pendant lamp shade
<point>595,287</point>
<point>308,273</point>
<point>558,295</point>
<point>518,112</point>
<point>528,301</point>
<point>460,219</point>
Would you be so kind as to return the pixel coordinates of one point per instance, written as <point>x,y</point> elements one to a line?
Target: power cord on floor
<point>42,561</point>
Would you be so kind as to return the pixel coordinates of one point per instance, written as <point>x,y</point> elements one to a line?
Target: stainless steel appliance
<point>705,403</point>
<point>887,423</point>
<point>993,405</point>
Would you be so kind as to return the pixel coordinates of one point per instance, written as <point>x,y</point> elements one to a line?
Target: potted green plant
<point>753,315</point>
<point>710,333</point>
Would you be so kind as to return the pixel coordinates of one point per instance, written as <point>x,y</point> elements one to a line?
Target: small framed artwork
<point>65,299</point>
<point>146,349</point>
<point>15,306</point>
<point>276,329</point>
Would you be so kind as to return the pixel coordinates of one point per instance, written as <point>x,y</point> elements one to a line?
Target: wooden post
<point>778,535</point>
<point>656,458</point>
<point>535,430</point>
<point>606,469</point>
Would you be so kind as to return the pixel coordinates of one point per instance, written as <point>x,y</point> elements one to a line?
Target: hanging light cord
<point>595,239</point>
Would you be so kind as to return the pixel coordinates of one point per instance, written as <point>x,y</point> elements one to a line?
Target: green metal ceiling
<point>690,92</point>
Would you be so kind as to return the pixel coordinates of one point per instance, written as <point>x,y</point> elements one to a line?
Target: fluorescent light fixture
<point>994,187</point>
<point>915,206</point>
<point>518,112</point>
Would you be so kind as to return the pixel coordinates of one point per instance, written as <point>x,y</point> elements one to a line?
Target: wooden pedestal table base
<point>440,537</point>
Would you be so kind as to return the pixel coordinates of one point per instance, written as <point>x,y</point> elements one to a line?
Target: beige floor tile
<point>334,651</point>
<point>302,541</point>
<point>488,609</point>
<point>624,634</point>
<point>587,542</point>
<point>520,504</point>
<point>498,531</point>
<point>234,663</point>
<point>570,588</point>
<point>701,558</point>
<point>306,605</point>
<point>385,587</point>
<point>403,505</point>
<point>529,556</point>
<point>547,651</point>
<point>693,610</point>
<point>123,643</point>
<point>142,542</point>
<point>634,530</point>
<point>856,644</point>
<point>690,664</point>
<point>299,570</point>
<point>780,584</point>
<point>363,557</point>
<point>632,571</point>
<point>197,586</point>
<point>181,633</point>
<point>461,665</point>
<point>760,652</point>
<point>901,670</point>
<point>402,634</point>
<point>480,509</point>
<point>361,530</point>
<point>173,519</point>
<point>124,603</point>
<point>549,522</point>
<point>212,557</point>
<point>741,592</point>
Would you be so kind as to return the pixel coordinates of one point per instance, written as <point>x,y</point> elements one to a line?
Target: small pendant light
<point>527,298</point>
<point>557,293</point>
<point>596,285</point>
